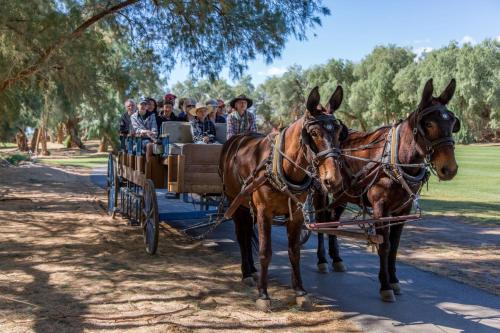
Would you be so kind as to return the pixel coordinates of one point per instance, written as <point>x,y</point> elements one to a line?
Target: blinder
<point>430,145</point>
<point>330,123</point>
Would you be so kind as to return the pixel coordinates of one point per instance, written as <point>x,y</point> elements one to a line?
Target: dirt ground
<point>65,266</point>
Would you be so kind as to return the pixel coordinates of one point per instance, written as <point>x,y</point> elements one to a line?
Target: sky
<point>355,27</point>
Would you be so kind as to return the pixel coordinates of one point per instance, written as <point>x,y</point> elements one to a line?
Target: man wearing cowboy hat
<point>241,120</point>
<point>202,129</point>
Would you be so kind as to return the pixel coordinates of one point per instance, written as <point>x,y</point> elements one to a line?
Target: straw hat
<point>198,107</point>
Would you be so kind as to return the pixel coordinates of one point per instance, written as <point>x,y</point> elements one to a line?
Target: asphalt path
<point>430,303</point>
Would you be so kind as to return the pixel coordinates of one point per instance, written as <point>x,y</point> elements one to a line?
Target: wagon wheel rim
<point>111,186</point>
<point>150,218</point>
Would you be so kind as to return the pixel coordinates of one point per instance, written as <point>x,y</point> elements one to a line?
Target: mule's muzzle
<point>447,173</point>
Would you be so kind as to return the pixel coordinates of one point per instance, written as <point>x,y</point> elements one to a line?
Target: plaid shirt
<point>140,124</point>
<point>200,129</point>
<point>237,124</point>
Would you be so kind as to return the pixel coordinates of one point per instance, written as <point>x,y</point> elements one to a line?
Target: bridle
<point>430,145</point>
<point>329,123</point>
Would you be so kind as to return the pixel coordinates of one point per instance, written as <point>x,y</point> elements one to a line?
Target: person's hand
<point>206,139</point>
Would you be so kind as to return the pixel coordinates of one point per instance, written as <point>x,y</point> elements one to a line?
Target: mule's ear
<point>448,93</point>
<point>335,100</point>
<point>427,94</point>
<point>456,126</point>
<point>313,101</point>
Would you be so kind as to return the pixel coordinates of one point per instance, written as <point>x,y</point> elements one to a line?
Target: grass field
<point>86,161</point>
<point>7,145</point>
<point>475,192</point>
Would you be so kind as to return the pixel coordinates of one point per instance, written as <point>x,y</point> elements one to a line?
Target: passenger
<point>125,118</point>
<point>221,114</point>
<point>240,121</point>
<point>144,125</point>
<point>202,129</point>
<point>167,113</point>
<point>213,111</point>
<point>188,104</point>
<point>152,105</point>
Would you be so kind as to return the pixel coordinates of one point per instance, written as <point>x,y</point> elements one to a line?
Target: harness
<point>273,165</point>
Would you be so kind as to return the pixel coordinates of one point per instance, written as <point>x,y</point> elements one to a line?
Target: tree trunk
<point>21,140</point>
<point>72,129</point>
<point>33,142</point>
<point>42,137</point>
<point>60,133</point>
<point>103,145</point>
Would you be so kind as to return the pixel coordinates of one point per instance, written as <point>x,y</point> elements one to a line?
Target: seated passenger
<point>166,114</point>
<point>213,111</point>
<point>221,115</point>
<point>240,120</point>
<point>144,125</point>
<point>188,103</point>
<point>202,129</point>
<point>125,119</point>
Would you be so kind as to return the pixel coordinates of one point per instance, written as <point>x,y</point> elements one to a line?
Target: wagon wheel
<point>304,235</point>
<point>150,219</point>
<point>112,186</point>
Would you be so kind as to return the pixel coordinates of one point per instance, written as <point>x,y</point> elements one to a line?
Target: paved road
<point>430,303</point>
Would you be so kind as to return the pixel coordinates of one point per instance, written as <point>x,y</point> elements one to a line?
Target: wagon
<point>180,170</point>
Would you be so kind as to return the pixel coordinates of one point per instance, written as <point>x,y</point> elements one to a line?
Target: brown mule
<point>426,134</point>
<point>308,151</point>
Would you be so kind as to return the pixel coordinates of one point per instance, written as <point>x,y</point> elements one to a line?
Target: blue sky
<point>355,27</point>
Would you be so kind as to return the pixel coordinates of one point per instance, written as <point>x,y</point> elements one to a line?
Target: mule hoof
<point>339,266</point>
<point>248,281</point>
<point>387,296</point>
<point>323,268</point>
<point>304,302</point>
<point>396,287</point>
<point>263,304</point>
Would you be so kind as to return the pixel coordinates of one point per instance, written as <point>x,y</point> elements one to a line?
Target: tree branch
<point>47,53</point>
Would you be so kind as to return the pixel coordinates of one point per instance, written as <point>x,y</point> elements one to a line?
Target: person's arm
<point>196,133</point>
<point>253,123</point>
<point>154,126</point>
<point>136,125</point>
<point>123,125</point>
<point>231,127</point>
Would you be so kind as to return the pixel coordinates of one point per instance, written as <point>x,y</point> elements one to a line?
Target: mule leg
<point>320,201</point>
<point>333,246</point>
<point>386,292</point>
<point>293,230</point>
<point>320,253</point>
<point>242,224</point>
<point>264,221</point>
<point>394,237</point>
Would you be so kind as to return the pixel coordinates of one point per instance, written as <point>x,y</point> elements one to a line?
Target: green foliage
<point>73,59</point>
<point>15,158</point>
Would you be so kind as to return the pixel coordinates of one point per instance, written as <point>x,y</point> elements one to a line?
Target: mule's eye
<point>428,124</point>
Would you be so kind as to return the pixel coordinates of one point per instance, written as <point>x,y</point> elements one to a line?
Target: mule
<point>308,151</point>
<point>425,135</point>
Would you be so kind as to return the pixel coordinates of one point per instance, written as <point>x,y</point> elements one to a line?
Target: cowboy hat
<point>198,107</point>
<point>241,97</point>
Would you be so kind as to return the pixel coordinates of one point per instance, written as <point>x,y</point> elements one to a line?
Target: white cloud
<point>419,51</point>
<point>467,40</point>
<point>273,71</point>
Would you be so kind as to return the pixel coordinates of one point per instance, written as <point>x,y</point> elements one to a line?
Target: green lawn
<point>475,191</point>
<point>7,145</point>
<point>76,161</point>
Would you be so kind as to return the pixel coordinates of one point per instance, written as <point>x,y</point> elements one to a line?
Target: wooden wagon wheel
<point>150,219</point>
<point>112,186</point>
